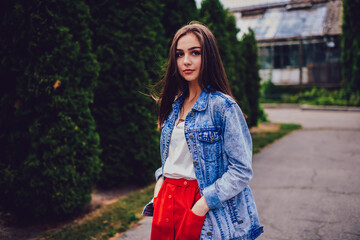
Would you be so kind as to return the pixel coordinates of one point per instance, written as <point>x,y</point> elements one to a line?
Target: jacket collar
<point>202,101</point>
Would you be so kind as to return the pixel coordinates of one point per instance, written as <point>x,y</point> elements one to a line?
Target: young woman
<point>202,187</point>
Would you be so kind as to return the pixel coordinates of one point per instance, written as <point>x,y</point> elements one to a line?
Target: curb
<point>306,107</point>
<point>280,105</point>
<point>329,108</point>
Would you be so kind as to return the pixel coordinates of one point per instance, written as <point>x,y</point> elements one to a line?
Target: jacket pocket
<point>239,216</point>
<point>209,146</point>
<point>233,211</point>
<point>209,136</point>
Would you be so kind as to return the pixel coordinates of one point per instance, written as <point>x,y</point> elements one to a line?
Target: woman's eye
<point>196,52</point>
<point>179,54</point>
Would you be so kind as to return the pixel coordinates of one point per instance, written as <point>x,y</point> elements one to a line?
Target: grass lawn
<point>263,138</point>
<point>108,220</point>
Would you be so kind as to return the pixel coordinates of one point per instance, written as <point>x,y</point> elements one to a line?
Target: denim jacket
<point>221,147</point>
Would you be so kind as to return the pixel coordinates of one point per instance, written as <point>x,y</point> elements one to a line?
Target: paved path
<point>307,184</point>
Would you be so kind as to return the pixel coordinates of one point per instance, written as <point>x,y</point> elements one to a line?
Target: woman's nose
<point>187,59</point>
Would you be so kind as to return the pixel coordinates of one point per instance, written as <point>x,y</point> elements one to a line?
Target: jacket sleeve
<point>237,145</point>
<point>158,173</point>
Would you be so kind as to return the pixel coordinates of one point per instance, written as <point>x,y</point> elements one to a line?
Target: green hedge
<point>350,48</point>
<point>177,14</point>
<point>239,57</point>
<point>249,53</point>
<point>129,43</point>
<point>48,143</point>
<point>63,62</point>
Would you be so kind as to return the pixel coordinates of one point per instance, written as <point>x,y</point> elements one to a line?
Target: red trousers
<point>173,218</point>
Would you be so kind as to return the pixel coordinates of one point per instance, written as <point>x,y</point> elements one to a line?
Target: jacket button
<point>240,222</point>
<point>195,162</point>
<point>191,136</point>
<point>185,183</point>
<point>208,233</point>
<point>192,114</point>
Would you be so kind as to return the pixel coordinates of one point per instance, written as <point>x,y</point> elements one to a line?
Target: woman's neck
<point>193,95</point>
<point>194,91</point>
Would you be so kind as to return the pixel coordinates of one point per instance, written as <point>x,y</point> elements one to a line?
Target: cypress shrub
<point>48,141</point>
<point>238,78</point>
<point>130,46</point>
<point>249,52</point>
<point>177,14</point>
<point>223,26</point>
<point>214,16</point>
<point>350,48</point>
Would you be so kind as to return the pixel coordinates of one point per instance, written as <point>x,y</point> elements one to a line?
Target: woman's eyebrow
<point>192,48</point>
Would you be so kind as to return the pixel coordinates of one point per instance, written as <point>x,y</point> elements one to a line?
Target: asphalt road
<point>307,184</point>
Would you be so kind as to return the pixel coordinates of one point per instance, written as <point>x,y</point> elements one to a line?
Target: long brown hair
<point>212,73</point>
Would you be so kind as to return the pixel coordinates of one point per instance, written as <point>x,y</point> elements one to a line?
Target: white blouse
<point>179,163</point>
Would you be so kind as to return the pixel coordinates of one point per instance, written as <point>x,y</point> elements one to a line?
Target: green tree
<point>129,43</point>
<point>235,60</point>
<point>238,64</point>
<point>350,56</point>
<point>48,143</point>
<point>213,15</point>
<point>249,53</point>
<point>177,14</point>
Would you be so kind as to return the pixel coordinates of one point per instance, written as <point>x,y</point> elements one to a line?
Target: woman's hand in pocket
<point>158,186</point>
<point>200,208</point>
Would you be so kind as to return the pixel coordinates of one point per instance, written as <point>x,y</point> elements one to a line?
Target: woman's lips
<point>188,71</point>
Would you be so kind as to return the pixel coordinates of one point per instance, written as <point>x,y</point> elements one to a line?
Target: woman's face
<point>188,57</point>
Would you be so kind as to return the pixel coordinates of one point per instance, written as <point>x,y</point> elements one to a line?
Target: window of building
<point>286,56</point>
<point>265,57</point>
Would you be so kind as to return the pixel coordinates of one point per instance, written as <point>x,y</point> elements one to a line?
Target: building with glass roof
<point>298,40</point>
